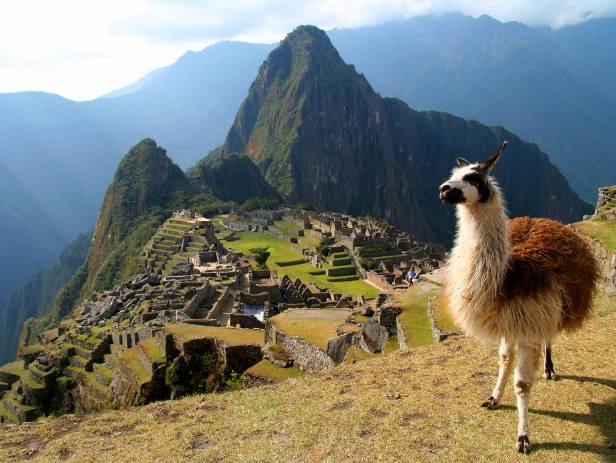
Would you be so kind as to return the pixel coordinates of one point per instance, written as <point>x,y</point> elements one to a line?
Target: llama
<point>520,281</point>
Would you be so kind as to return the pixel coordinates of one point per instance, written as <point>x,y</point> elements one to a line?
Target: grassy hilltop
<point>412,405</point>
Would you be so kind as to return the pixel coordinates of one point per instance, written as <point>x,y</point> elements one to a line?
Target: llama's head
<point>470,182</point>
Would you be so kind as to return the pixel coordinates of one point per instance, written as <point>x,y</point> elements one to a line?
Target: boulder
<point>105,309</point>
<point>338,347</point>
<point>183,268</point>
<point>373,337</point>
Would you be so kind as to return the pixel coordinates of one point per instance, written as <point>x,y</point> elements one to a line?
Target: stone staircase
<point>28,395</point>
<point>164,251</point>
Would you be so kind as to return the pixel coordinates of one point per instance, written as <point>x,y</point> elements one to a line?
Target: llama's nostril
<point>444,188</point>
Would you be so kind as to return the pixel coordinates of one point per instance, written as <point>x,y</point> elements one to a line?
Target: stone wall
<point>402,335</point>
<point>219,305</point>
<point>306,356</point>
<point>203,292</point>
<point>607,263</point>
<point>437,333</point>
<point>606,203</point>
<point>388,318</point>
<point>245,321</point>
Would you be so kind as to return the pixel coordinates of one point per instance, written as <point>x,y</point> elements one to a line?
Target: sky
<point>83,49</point>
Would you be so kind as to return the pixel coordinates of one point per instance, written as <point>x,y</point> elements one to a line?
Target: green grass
<point>266,369</point>
<point>152,351</point>
<point>31,349</point>
<point>414,316</point>
<point>90,378</point>
<point>104,371</point>
<point>282,251</point>
<point>603,230</point>
<point>287,227</point>
<point>315,326</point>
<point>441,315</point>
<point>14,368</point>
<point>307,242</point>
<point>232,336</point>
<point>132,358</point>
<point>29,381</point>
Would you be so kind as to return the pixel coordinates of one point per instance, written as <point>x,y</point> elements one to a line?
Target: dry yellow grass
<point>420,405</point>
<point>267,369</point>
<point>317,326</point>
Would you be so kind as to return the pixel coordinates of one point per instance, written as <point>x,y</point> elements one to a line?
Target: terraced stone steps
<point>44,378</point>
<point>150,355</point>
<point>132,360</point>
<point>103,373</point>
<point>17,411</point>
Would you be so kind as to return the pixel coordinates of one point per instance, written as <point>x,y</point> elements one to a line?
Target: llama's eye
<point>473,179</point>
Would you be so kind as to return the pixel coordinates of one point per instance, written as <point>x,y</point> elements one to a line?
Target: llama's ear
<point>491,161</point>
<point>462,162</point>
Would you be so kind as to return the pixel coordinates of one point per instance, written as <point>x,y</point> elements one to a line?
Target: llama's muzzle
<point>451,195</point>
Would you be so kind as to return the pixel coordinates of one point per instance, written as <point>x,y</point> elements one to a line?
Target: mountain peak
<point>307,34</point>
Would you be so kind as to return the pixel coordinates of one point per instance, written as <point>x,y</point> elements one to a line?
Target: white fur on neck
<point>479,260</point>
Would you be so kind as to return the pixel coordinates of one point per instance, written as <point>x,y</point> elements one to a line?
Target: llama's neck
<point>480,257</point>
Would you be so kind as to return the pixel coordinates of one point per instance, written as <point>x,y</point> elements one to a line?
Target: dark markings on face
<point>478,181</point>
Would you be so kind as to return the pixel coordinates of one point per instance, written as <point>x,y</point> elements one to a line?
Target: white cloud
<point>81,49</point>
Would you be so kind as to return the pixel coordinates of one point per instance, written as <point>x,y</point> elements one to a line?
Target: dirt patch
<point>31,447</point>
<point>64,454</point>
<point>200,442</point>
<point>117,430</point>
<point>408,418</point>
<point>344,405</point>
<point>65,425</point>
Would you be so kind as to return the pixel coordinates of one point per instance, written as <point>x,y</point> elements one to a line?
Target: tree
<point>260,255</point>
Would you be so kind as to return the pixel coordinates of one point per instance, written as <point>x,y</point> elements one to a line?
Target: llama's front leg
<point>524,377</point>
<point>506,354</point>
<point>548,366</point>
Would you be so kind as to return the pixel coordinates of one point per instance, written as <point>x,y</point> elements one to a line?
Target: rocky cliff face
<point>231,177</point>
<point>320,134</point>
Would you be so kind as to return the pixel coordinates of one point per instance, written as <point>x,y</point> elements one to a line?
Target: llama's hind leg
<point>524,377</point>
<point>506,354</point>
<point>548,366</point>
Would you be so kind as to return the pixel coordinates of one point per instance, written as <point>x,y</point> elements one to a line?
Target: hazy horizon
<point>82,50</point>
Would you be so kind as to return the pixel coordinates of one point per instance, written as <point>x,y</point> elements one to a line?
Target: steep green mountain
<point>146,184</point>
<point>34,297</point>
<point>321,135</point>
<point>543,87</point>
<point>231,177</point>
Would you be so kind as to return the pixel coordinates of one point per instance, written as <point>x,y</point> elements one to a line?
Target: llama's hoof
<point>523,444</point>
<point>490,404</point>
<point>549,375</point>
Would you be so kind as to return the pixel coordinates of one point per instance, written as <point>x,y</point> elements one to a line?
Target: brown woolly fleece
<point>544,252</point>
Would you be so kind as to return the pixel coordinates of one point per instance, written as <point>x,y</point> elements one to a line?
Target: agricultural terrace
<point>282,251</point>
